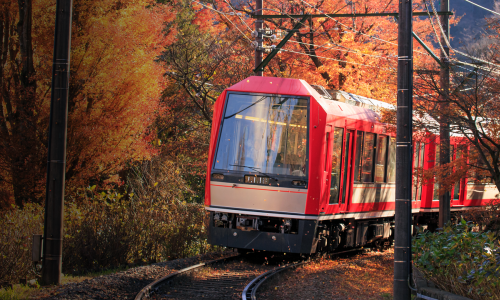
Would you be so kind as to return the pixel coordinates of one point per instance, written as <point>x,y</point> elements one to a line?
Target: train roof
<point>299,87</point>
<point>336,102</point>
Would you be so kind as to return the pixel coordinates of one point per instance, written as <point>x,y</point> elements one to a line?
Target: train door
<point>458,195</point>
<point>326,168</point>
<point>335,181</point>
<point>346,170</point>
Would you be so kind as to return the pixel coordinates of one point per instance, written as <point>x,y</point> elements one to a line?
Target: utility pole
<point>56,164</point>
<point>444,125</point>
<point>258,37</point>
<point>404,151</point>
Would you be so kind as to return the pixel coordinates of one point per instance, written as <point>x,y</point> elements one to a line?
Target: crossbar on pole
<point>394,14</point>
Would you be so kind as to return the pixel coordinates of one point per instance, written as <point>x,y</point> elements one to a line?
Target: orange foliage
<point>114,89</point>
<point>358,56</point>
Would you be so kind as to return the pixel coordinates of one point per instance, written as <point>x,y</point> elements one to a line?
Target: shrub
<point>16,232</point>
<point>486,217</point>
<point>460,261</point>
<point>107,231</point>
<point>142,221</point>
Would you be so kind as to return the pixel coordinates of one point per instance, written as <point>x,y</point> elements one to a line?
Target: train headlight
<point>218,176</point>
<point>299,182</point>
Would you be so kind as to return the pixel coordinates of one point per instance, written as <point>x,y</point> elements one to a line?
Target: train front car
<point>259,190</point>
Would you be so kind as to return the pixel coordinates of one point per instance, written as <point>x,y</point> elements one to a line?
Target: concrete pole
<point>56,164</point>
<point>444,126</point>
<point>404,150</point>
<point>258,39</point>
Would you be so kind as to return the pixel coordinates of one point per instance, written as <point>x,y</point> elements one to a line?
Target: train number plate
<point>256,179</point>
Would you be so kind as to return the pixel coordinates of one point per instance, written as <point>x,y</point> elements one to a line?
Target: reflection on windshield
<point>266,133</point>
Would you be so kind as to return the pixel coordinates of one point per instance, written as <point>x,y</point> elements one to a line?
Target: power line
<point>434,29</point>
<point>355,31</point>
<point>339,60</point>
<point>349,49</point>
<point>491,11</point>
<point>449,45</point>
<point>239,16</point>
<point>224,14</point>
<point>345,49</point>
<point>440,25</point>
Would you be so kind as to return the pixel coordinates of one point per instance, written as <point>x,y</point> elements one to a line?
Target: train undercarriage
<point>288,235</point>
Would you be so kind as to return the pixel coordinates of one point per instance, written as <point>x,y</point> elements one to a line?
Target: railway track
<point>250,290</point>
<point>236,277</point>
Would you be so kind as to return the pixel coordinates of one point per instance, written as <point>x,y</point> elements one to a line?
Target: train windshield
<point>264,133</point>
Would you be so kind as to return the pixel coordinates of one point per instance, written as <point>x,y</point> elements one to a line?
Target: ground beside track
<point>120,285</point>
<point>357,277</point>
<point>367,276</point>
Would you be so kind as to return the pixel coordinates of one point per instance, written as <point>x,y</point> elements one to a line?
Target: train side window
<point>478,173</point>
<point>381,159</point>
<point>456,190</point>
<point>436,184</point>
<point>338,137</point>
<point>416,156</point>
<point>420,169</point>
<point>357,162</point>
<point>391,164</point>
<point>326,151</point>
<point>367,157</point>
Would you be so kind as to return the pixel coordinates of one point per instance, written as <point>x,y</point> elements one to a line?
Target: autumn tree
<point>358,55</point>
<point>473,110</point>
<point>208,55</point>
<point>114,89</point>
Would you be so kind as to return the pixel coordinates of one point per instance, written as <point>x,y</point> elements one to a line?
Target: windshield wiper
<point>263,97</point>
<point>256,170</point>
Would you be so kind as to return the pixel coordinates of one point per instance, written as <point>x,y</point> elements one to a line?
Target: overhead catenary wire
<point>337,22</point>
<point>455,50</point>
<point>434,29</point>
<point>312,29</point>
<point>344,49</point>
<point>370,36</point>
<point>491,11</point>
<point>475,66</point>
<point>445,38</point>
<point>322,46</point>
<point>224,14</point>
<point>356,31</point>
<point>339,60</point>
<point>239,16</point>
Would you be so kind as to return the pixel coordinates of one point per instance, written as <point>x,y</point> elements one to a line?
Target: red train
<point>293,169</point>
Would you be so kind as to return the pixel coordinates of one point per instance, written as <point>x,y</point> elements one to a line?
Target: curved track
<point>251,289</point>
<point>156,285</point>
<point>236,277</point>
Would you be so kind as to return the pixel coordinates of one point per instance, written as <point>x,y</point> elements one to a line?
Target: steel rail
<point>152,287</point>
<point>253,286</point>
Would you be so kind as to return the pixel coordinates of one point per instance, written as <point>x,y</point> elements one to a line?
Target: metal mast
<point>404,150</point>
<point>444,126</point>
<point>56,165</point>
<point>258,38</point>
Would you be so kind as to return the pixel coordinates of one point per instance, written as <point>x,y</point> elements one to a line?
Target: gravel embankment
<point>124,284</point>
<point>364,276</point>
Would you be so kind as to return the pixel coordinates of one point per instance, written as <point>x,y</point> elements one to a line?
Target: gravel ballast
<point>124,284</point>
